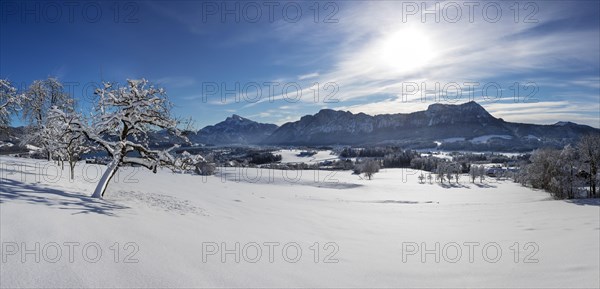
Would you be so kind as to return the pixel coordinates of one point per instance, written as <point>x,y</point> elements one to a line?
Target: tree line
<point>566,173</point>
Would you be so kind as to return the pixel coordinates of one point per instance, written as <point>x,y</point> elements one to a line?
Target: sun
<point>405,50</point>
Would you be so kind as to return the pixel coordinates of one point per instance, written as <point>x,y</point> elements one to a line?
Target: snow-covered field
<point>172,229</point>
<point>292,156</point>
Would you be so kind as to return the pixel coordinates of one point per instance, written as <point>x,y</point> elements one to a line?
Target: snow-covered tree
<point>473,171</point>
<point>121,124</point>
<point>42,96</point>
<point>205,168</point>
<point>542,167</point>
<point>69,142</point>
<point>456,170</point>
<point>368,168</point>
<point>589,149</point>
<point>440,172</point>
<point>189,163</point>
<point>449,174</point>
<point>568,185</point>
<point>421,178</point>
<point>10,101</point>
<point>481,173</point>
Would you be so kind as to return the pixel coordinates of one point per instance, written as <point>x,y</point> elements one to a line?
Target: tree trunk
<point>72,165</point>
<point>594,172</point>
<point>111,169</point>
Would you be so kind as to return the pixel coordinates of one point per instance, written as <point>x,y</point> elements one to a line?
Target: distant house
<point>494,172</point>
<point>498,171</point>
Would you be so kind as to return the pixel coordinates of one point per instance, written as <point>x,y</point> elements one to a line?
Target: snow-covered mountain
<point>10,140</point>
<point>234,130</point>
<point>469,121</point>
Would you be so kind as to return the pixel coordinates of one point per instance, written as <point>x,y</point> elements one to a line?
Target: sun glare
<point>406,50</point>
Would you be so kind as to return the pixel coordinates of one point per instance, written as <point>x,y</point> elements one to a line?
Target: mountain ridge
<point>234,129</point>
<point>439,121</point>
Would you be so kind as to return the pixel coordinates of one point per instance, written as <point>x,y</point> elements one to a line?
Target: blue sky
<point>373,57</point>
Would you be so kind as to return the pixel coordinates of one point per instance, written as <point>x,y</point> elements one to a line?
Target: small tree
<point>542,168</point>
<point>473,173</point>
<point>69,142</point>
<point>457,172</point>
<point>369,168</point>
<point>429,178</point>
<point>205,168</point>
<point>440,171</point>
<point>421,178</point>
<point>449,176</point>
<point>481,173</point>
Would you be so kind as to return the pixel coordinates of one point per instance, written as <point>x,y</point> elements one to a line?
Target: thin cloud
<point>308,76</point>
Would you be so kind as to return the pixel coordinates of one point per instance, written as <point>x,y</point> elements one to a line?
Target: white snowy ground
<point>166,218</point>
<point>291,156</point>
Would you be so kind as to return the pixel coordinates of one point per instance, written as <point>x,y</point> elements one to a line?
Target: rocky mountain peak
<point>234,129</point>
<point>237,118</point>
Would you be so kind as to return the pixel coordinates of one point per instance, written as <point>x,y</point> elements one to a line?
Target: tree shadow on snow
<point>12,190</point>
<point>465,186</point>
<point>585,202</point>
<point>453,185</point>
<point>484,185</point>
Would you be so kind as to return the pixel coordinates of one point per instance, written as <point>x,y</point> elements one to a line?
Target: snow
<point>6,144</point>
<point>169,217</point>
<point>291,156</point>
<point>486,138</point>
<point>447,155</point>
<point>532,137</point>
<point>453,139</point>
<point>32,147</point>
<point>449,140</point>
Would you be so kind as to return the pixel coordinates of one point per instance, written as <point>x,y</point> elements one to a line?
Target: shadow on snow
<point>585,202</point>
<point>33,194</point>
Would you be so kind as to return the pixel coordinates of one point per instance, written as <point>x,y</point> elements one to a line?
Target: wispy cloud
<point>308,76</point>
